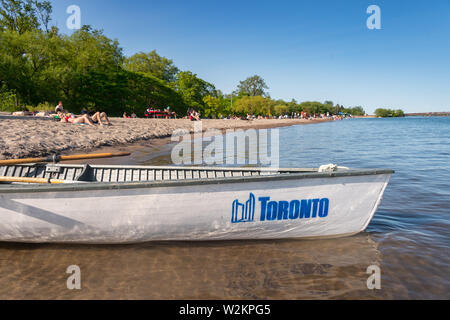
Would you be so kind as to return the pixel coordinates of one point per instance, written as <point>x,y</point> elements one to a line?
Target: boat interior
<point>115,174</point>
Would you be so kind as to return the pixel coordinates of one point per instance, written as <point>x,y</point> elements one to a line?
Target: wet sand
<point>326,269</point>
<point>33,137</point>
<point>256,270</point>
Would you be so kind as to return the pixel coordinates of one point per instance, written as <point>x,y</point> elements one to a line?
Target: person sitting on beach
<point>125,116</point>
<point>194,115</point>
<point>60,108</point>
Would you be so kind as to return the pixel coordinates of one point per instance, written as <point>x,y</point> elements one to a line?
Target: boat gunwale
<point>89,186</point>
<point>134,167</point>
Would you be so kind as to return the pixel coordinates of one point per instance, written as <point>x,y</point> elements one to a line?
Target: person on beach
<point>87,116</point>
<point>66,118</point>
<point>194,115</point>
<point>189,113</point>
<point>60,108</point>
<point>98,117</point>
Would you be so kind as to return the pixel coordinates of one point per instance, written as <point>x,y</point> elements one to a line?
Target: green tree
<point>313,107</point>
<point>8,100</point>
<point>329,106</point>
<point>152,63</point>
<point>85,53</point>
<point>258,105</point>
<point>356,111</point>
<point>216,107</point>
<point>89,49</point>
<point>193,89</point>
<point>399,113</point>
<point>383,113</point>
<point>42,66</point>
<point>389,113</point>
<point>338,109</point>
<point>253,86</point>
<point>24,15</point>
<point>280,109</point>
<point>43,13</point>
<point>24,64</point>
<point>147,90</point>
<point>293,106</point>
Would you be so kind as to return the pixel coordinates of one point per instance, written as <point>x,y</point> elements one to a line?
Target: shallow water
<point>408,238</point>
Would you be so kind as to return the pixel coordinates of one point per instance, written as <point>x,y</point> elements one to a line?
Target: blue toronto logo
<point>244,212</point>
<point>279,210</point>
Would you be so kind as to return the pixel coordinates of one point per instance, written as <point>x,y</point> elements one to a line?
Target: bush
<point>356,111</point>
<point>389,113</point>
<point>399,113</point>
<point>8,102</point>
<point>42,107</point>
<point>257,105</point>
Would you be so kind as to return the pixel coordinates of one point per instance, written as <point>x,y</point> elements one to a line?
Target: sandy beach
<point>32,137</point>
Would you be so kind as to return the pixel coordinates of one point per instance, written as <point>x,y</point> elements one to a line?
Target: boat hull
<point>272,208</point>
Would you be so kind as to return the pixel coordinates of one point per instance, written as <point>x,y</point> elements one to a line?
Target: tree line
<point>40,66</point>
<point>389,113</point>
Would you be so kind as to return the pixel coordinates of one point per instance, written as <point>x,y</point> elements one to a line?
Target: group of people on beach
<point>92,118</point>
<point>193,115</point>
<point>86,117</point>
<point>126,116</point>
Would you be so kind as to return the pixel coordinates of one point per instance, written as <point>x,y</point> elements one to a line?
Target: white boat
<point>132,204</point>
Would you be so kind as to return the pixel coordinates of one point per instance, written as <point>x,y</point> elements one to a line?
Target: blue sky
<point>306,50</point>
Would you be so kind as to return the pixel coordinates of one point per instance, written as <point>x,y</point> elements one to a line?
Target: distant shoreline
<point>429,114</point>
<point>23,138</point>
<point>364,117</point>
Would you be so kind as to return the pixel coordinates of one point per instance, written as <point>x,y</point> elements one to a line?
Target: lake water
<point>408,239</point>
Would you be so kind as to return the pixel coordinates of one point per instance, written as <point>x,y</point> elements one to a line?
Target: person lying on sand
<point>84,119</point>
<point>98,117</point>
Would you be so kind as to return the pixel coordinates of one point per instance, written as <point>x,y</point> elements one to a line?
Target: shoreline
<point>24,138</point>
